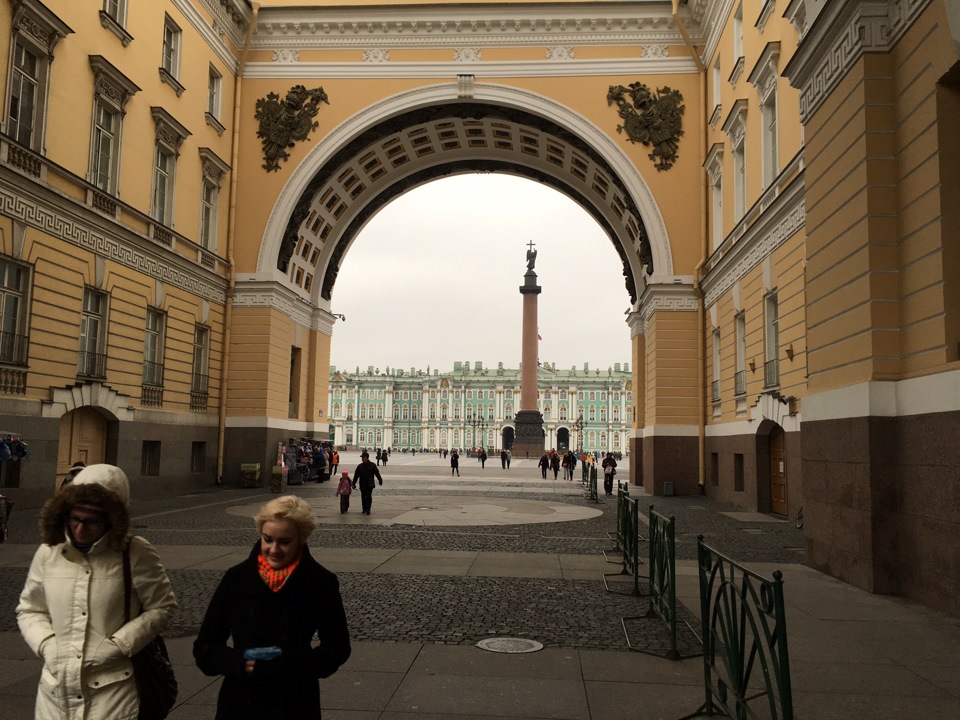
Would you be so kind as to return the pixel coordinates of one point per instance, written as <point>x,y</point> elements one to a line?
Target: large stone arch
<point>414,137</point>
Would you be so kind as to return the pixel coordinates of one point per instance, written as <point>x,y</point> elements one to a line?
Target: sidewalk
<point>852,654</point>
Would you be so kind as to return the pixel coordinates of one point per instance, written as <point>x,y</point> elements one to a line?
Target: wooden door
<point>83,437</point>
<point>778,473</point>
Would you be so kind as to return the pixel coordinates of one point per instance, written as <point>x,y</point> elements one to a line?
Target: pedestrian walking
<point>365,476</point>
<point>609,466</point>
<point>319,463</point>
<point>263,618</point>
<point>483,459</point>
<point>454,463</point>
<point>509,457</point>
<point>336,462</point>
<point>555,465</point>
<point>544,464</point>
<point>343,490</point>
<point>71,610</point>
<point>503,459</point>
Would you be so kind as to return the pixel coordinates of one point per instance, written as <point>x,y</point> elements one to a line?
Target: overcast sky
<point>434,278</point>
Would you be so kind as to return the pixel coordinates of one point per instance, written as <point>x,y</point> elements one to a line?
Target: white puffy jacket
<point>71,614</point>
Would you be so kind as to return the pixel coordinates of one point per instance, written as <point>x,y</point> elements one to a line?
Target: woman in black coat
<point>274,603</point>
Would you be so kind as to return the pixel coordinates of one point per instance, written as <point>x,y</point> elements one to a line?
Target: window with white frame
<point>714,168</point>
<point>93,324</point>
<point>200,378</point>
<point>740,383</point>
<point>153,348</point>
<point>213,169</point>
<point>170,135</point>
<point>170,58</point>
<point>36,31</point>
<point>214,83</point>
<point>14,283</point>
<point>117,10</point>
<point>379,412</point>
<point>738,32</point>
<point>112,90</point>
<point>603,413</point>
<point>735,128</point>
<point>715,82</point>
<point>715,387</point>
<point>771,340</point>
<point>764,79</point>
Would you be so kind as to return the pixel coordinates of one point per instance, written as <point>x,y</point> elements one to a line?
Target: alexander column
<point>529,422</point>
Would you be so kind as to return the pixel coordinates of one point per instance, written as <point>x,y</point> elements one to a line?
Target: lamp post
<point>579,425</point>
<point>479,425</point>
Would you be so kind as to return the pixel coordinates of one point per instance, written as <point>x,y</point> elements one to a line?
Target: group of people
<point>85,624</point>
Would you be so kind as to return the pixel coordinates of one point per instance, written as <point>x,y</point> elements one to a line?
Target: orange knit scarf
<point>275,579</point>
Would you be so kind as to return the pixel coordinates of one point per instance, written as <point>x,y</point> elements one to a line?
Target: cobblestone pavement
<point>449,609</point>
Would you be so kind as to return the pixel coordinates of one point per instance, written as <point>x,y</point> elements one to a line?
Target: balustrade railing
<point>92,364</point>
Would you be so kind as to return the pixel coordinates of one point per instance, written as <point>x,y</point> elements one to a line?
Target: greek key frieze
<point>91,238</point>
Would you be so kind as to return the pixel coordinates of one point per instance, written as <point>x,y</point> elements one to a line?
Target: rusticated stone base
<point>528,439</point>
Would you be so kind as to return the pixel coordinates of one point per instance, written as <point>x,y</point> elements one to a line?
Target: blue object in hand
<point>262,653</point>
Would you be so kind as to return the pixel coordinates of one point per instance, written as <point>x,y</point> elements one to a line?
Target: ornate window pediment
<point>735,126</point>
<point>34,21</point>
<point>764,75</point>
<point>214,168</point>
<point>714,162</point>
<point>110,84</point>
<point>170,133</point>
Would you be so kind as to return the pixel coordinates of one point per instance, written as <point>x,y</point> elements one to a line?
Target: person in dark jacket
<point>364,476</point>
<point>609,466</point>
<point>455,464</point>
<point>544,464</point>
<point>274,603</point>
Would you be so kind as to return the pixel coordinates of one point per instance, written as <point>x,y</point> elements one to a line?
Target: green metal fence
<point>623,490</point>
<point>662,573</point>
<point>630,553</point>
<point>591,490</point>
<point>746,667</point>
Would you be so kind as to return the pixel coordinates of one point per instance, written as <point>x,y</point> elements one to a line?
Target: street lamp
<point>479,425</point>
<point>579,425</point>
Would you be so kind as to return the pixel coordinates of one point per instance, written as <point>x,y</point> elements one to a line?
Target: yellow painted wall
<point>671,369</point>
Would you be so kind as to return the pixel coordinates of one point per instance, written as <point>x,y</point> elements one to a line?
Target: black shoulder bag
<point>152,669</point>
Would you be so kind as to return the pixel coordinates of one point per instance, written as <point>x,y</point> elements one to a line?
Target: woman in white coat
<point>71,610</point>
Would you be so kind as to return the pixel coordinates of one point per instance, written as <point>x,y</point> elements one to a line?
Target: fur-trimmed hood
<point>104,486</point>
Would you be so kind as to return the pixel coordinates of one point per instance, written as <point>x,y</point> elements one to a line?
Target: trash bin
<point>249,475</point>
<point>277,475</point>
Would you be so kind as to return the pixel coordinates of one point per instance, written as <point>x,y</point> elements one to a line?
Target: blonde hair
<point>288,507</point>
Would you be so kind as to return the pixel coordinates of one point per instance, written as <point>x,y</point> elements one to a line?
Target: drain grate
<point>510,645</point>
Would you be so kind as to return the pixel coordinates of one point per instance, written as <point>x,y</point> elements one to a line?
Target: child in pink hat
<point>344,490</point>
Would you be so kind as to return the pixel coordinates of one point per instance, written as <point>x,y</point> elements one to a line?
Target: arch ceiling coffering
<point>426,143</point>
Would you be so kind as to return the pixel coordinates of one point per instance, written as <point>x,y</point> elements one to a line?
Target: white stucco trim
<point>666,431</point>
<point>915,396</point>
<point>501,95</point>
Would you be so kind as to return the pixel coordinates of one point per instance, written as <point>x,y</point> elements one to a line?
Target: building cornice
<point>479,69</point>
<point>231,18</point>
<point>274,295</point>
<point>838,38</point>
<point>468,25</point>
<point>661,297</point>
<point>223,25</point>
<point>784,216</point>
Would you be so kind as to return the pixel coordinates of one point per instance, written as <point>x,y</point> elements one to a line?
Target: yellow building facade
<point>181,180</point>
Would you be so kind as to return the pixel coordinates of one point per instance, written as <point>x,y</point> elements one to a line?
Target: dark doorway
<point>507,438</point>
<point>563,440</point>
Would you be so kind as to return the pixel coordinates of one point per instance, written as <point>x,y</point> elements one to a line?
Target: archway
<point>507,438</point>
<point>563,439</point>
<point>413,138</point>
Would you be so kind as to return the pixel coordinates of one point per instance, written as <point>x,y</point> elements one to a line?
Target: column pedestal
<point>528,437</point>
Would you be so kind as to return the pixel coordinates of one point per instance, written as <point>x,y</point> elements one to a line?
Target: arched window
<point>349,436</point>
<point>546,411</point>
<point>336,410</point>
<point>443,439</point>
<point>563,394</point>
<point>456,412</point>
<point>396,412</point>
<point>508,394</point>
<point>603,441</point>
<point>433,438</point>
<point>433,411</point>
<point>379,412</point>
<point>563,411</point>
<point>456,438</point>
<point>443,411</point>
<point>616,441</point>
<point>603,413</point>
<point>405,414</point>
<point>349,411</point>
<point>443,395</point>
<point>415,412</point>
<point>592,414</point>
<point>592,440</point>
<point>508,411</point>
<point>363,412</point>
<point>379,438</point>
<point>396,437</point>
<point>616,413</point>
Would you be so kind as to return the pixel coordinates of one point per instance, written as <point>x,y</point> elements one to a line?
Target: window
<point>336,410</point>
<point>213,93</point>
<point>715,386</point>
<point>738,472</point>
<point>13,339</point>
<point>92,361</point>
<point>738,33</point>
<point>546,411</point>
<point>170,135</point>
<point>22,122</point>
<point>735,128</point>
<point>603,413</point>
<point>406,413</point>
<point>162,186</point>
<point>616,413</point>
<point>490,412</point>
<point>213,171</point>
<point>715,82</point>
<point>201,360</point>
<point>592,414</point>
<point>771,341</point>
<point>150,458</point>
<point>363,412</point>
<point>153,349</point>
<point>379,412</point>
<point>117,10</point>
<point>170,58</point>
<point>770,138</point>
<point>36,33</point>
<point>106,127</point>
<point>741,340</point>
<point>198,457</point>
<point>443,412</point>
<point>563,412</point>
